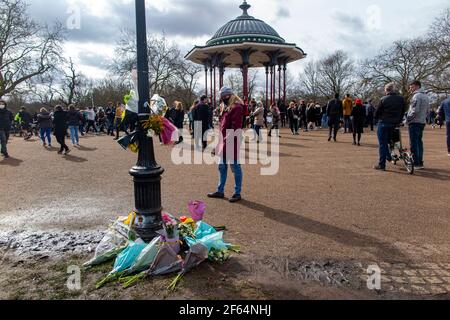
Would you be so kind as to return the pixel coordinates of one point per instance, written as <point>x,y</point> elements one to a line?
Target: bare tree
<point>309,81</point>
<point>234,80</point>
<point>336,74</point>
<point>27,49</point>
<point>70,84</point>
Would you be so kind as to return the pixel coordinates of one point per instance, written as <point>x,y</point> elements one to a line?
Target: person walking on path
<point>45,124</point>
<point>276,120</point>
<point>120,110</point>
<point>389,114</point>
<point>324,117</point>
<point>294,118</point>
<point>444,115</point>
<point>91,120</point>
<point>334,114</point>
<point>358,121</point>
<point>201,117</point>
<point>110,115</point>
<point>73,121</point>
<point>370,113</point>
<point>6,119</point>
<point>311,116</point>
<point>178,120</point>
<point>347,105</point>
<point>303,119</point>
<point>231,118</point>
<point>60,129</point>
<point>258,120</point>
<point>417,120</point>
<point>24,119</point>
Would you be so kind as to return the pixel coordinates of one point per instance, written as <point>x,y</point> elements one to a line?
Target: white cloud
<point>319,26</point>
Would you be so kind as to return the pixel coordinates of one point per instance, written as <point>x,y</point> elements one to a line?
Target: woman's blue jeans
<point>238,177</point>
<point>74,134</point>
<point>46,133</point>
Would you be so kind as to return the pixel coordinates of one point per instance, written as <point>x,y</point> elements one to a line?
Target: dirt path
<point>309,232</point>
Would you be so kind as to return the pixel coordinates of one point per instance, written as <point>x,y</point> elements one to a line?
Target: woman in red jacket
<point>231,120</point>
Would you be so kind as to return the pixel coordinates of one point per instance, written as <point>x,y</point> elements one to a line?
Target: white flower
<point>151,133</point>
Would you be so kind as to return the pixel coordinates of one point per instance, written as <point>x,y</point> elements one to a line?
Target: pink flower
<point>166,218</point>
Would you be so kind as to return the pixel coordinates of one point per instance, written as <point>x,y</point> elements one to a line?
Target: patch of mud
<point>332,273</point>
<point>39,245</point>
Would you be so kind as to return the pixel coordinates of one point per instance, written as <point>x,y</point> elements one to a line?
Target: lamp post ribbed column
<point>146,173</point>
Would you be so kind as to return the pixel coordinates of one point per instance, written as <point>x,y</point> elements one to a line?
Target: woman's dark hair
<point>416,83</point>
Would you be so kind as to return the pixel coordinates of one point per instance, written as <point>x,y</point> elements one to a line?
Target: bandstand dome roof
<point>245,32</point>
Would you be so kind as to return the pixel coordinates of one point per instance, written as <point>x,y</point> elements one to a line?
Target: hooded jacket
<point>419,108</point>
<point>347,106</point>
<point>6,119</point>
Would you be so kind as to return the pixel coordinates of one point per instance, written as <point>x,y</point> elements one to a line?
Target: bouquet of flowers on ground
<point>183,244</point>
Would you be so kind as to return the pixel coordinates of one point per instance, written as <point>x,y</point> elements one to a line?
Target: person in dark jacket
<point>178,119</point>
<point>358,120</point>
<point>335,112</point>
<point>444,115</point>
<point>311,115</point>
<point>201,117</point>
<point>303,119</point>
<point>45,127</point>
<point>389,114</point>
<point>294,118</point>
<point>110,115</point>
<point>25,120</point>
<point>60,129</point>
<point>6,119</point>
<point>231,118</point>
<point>73,121</point>
<point>370,112</point>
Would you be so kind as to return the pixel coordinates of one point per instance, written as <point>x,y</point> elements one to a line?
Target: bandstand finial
<point>245,6</point>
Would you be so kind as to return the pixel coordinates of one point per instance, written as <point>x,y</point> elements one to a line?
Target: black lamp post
<point>146,173</point>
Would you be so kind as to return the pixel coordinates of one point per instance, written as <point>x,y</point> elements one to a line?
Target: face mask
<point>226,101</point>
<point>2,106</point>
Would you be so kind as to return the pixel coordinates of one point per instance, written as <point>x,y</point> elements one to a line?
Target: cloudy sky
<point>318,27</point>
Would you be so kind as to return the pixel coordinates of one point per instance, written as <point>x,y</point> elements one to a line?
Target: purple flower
<point>197,209</point>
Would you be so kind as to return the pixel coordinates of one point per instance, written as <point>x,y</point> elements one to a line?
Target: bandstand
<point>244,43</point>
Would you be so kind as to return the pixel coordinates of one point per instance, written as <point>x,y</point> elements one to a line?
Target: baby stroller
<point>398,153</point>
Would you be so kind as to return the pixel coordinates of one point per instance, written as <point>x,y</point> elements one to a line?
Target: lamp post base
<point>147,191</point>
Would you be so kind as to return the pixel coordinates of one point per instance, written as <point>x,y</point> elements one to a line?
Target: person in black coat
<point>303,119</point>
<point>335,112</point>
<point>177,116</point>
<point>60,129</point>
<point>294,118</point>
<point>358,121</point>
<point>6,119</point>
<point>201,115</point>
